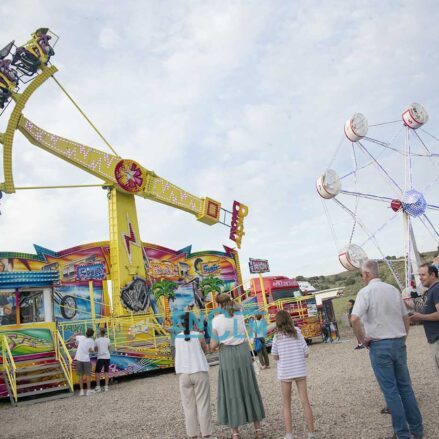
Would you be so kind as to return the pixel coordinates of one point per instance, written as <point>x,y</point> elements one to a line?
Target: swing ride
<point>397,174</point>
<point>123,178</point>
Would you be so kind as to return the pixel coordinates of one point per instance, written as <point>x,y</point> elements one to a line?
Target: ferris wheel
<point>372,180</point>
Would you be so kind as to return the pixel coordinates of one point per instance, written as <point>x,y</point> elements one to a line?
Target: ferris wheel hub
<point>415,116</point>
<point>356,127</point>
<point>414,203</point>
<point>328,184</point>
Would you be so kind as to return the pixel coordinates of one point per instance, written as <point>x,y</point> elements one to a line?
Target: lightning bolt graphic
<point>129,239</point>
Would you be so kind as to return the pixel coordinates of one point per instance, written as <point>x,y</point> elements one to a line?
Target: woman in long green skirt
<point>239,400</point>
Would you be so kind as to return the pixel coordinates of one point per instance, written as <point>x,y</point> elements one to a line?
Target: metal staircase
<point>36,377</point>
<point>38,380</point>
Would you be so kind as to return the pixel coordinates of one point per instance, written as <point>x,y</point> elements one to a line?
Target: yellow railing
<point>9,367</point>
<point>124,332</point>
<point>64,358</point>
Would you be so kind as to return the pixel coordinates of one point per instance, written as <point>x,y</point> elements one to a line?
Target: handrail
<point>61,355</point>
<point>9,367</point>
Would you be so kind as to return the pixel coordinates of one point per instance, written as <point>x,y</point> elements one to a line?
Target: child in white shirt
<point>103,360</point>
<point>82,357</point>
<point>289,348</point>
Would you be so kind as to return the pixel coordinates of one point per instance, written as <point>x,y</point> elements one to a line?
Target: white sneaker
<point>81,392</point>
<point>106,389</point>
<point>97,389</point>
<point>89,392</point>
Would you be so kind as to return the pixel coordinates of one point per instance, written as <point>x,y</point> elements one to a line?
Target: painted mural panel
<point>78,265</point>
<point>140,341</point>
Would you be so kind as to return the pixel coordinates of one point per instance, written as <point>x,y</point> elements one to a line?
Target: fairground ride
<point>373,181</point>
<point>23,69</point>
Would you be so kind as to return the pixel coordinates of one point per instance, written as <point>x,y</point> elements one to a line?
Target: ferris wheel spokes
<point>411,203</point>
<point>380,167</point>
<point>374,240</point>
<point>431,225</point>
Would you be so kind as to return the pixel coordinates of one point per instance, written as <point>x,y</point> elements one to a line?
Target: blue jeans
<point>389,362</point>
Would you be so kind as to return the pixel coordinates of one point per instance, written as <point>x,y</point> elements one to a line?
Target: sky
<point>234,100</point>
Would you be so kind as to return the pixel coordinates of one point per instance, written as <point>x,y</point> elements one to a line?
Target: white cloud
<point>109,39</point>
<point>233,100</point>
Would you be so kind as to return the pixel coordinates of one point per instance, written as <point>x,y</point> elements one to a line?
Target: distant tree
<point>300,278</point>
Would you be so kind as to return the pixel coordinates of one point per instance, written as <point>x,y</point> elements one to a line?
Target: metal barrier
<point>9,367</point>
<point>124,332</point>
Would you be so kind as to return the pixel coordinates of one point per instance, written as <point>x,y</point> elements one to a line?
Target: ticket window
<point>36,306</point>
<point>31,306</point>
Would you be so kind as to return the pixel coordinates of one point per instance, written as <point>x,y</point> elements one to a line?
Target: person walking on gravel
<point>386,322</point>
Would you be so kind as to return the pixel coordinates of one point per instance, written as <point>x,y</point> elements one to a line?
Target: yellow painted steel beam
<point>8,136</point>
<point>93,161</point>
<point>110,168</point>
<point>126,247</point>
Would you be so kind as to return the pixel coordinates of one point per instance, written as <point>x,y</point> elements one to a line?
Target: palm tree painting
<point>211,285</point>
<point>164,291</point>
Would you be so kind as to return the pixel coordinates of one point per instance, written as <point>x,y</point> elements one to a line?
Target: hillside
<point>351,280</point>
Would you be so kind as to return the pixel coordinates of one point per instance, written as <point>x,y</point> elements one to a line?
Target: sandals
<point>236,435</point>
<point>259,434</point>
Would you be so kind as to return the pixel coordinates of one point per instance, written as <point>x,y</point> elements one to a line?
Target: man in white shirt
<point>83,365</point>
<point>379,306</point>
<point>103,360</point>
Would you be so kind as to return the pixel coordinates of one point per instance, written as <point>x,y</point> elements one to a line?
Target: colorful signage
<point>165,269</point>
<point>239,212</point>
<point>86,272</point>
<point>284,283</point>
<point>258,266</point>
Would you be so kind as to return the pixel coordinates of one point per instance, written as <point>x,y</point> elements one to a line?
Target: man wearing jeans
<point>428,275</point>
<point>381,309</point>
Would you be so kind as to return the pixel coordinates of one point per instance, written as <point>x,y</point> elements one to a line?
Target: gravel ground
<point>343,392</point>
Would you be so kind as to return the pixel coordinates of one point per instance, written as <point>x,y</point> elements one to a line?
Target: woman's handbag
<point>256,364</point>
<point>258,345</point>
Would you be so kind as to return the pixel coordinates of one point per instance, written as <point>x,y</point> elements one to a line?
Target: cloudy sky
<point>235,100</point>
